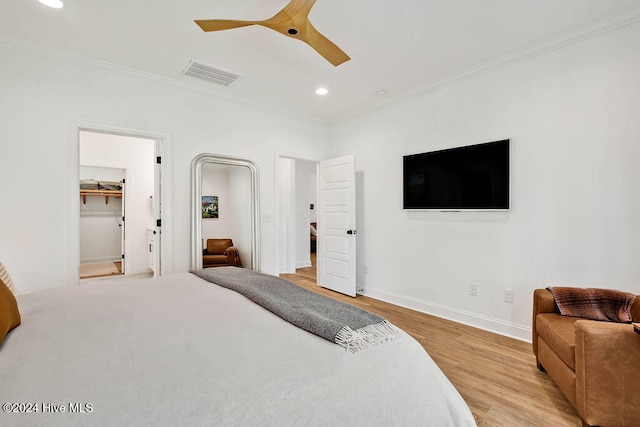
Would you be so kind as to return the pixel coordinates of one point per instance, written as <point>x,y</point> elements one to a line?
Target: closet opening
<point>119,189</point>
<point>102,228</point>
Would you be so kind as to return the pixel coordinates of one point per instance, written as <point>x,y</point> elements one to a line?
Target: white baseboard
<point>486,323</point>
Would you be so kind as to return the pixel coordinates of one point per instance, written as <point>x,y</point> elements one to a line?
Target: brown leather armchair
<point>220,253</point>
<point>596,364</point>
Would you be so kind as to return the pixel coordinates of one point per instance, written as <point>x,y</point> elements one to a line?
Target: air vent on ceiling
<point>210,73</point>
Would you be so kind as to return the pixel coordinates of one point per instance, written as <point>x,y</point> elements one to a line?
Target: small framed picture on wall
<point>209,206</point>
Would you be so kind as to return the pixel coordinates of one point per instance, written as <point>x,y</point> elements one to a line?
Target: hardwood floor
<point>100,269</point>
<point>496,375</point>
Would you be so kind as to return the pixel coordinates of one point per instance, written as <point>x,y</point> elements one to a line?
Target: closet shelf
<point>103,193</point>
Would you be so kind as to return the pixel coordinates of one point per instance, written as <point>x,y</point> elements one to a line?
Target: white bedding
<point>178,350</point>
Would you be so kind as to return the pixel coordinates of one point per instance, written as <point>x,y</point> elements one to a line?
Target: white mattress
<point>178,350</point>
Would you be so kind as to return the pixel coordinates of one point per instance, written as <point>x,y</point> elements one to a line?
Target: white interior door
<point>336,244</point>
<point>122,228</point>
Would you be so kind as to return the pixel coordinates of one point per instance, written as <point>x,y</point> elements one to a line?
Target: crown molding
<point>94,64</point>
<point>515,57</point>
<point>546,46</point>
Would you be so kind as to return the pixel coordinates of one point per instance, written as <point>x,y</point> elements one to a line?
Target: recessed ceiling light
<point>381,92</point>
<point>322,91</point>
<point>56,4</point>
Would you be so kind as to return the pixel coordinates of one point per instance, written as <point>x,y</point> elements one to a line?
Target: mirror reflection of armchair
<point>220,253</point>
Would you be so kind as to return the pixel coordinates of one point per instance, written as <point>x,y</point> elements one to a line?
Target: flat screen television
<point>474,177</point>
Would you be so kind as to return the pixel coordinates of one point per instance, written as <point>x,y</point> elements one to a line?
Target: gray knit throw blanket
<point>338,322</point>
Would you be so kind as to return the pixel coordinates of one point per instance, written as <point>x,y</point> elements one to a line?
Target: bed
<point>179,350</point>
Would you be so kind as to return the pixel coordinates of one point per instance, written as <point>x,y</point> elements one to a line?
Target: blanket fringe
<point>368,336</point>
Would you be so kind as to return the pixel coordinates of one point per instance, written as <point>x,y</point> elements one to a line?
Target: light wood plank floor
<point>100,269</point>
<point>496,375</point>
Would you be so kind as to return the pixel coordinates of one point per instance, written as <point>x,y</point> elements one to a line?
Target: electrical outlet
<point>473,289</point>
<point>507,295</point>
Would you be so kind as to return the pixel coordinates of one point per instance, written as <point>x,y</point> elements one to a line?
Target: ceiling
<point>403,47</point>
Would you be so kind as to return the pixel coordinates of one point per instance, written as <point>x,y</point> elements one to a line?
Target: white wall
<point>215,182</point>
<point>43,98</point>
<point>136,156</point>
<point>287,215</point>
<point>240,207</point>
<point>313,192</point>
<point>572,116</point>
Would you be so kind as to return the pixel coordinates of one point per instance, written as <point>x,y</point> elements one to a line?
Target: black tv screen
<point>474,177</point>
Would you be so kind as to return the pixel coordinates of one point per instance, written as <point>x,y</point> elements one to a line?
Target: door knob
<point>351,231</point>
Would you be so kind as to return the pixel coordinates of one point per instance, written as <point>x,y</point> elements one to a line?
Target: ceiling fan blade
<point>292,21</point>
<point>221,24</point>
<point>298,8</point>
<point>325,47</point>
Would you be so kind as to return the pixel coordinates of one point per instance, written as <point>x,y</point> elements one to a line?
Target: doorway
<point>101,225</point>
<point>297,218</point>
<point>104,157</point>
<point>335,215</point>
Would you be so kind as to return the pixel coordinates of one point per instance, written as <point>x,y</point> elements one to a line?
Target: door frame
<point>72,166</point>
<point>277,214</point>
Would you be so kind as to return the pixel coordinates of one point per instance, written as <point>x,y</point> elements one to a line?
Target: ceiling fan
<point>292,21</point>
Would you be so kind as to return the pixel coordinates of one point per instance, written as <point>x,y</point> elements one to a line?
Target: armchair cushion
<point>216,259</point>
<point>560,334</point>
<point>218,246</point>
<point>596,304</point>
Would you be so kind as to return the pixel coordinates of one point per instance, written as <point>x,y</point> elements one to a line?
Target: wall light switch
<point>267,217</point>
<point>507,295</point>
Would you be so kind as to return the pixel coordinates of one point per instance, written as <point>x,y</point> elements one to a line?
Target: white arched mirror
<point>225,204</point>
